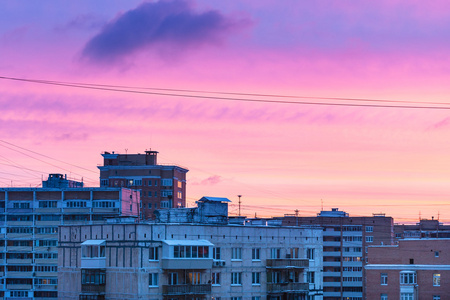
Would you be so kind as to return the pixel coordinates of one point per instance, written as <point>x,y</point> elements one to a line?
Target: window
<point>215,279</point>
<point>166,182</point>
<point>104,182</point>
<point>310,253</point>
<point>46,268</point>
<point>256,278</point>
<point>236,278</point>
<point>384,278</point>
<point>256,254</point>
<point>383,297</point>
<point>274,277</point>
<point>310,277</point>
<point>93,276</point>
<point>436,279</point>
<point>46,281</point>
<point>193,278</point>
<point>165,204</point>
<point>153,279</point>
<point>47,204</point>
<point>408,278</point>
<point>406,296</point>
<point>179,184</point>
<point>173,278</point>
<point>45,294</point>
<point>153,253</point>
<point>137,182</point>
<point>179,195</point>
<point>191,251</point>
<point>436,297</point>
<point>149,183</point>
<point>275,253</point>
<point>369,228</point>
<point>256,298</point>
<point>294,252</point>
<point>236,253</point>
<point>369,239</point>
<point>436,253</point>
<point>216,253</point>
<point>19,294</point>
<point>236,298</point>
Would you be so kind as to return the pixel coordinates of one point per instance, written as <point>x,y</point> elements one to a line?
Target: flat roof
<point>214,199</point>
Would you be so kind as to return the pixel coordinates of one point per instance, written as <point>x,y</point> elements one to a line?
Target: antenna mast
<point>239,204</point>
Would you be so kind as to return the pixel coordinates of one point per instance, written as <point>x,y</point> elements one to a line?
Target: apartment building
<point>29,221</point>
<point>200,256</point>
<point>345,243</point>
<point>414,269</point>
<point>162,186</point>
<point>424,229</point>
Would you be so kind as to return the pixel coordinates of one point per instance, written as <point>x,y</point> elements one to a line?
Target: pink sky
<point>280,157</point>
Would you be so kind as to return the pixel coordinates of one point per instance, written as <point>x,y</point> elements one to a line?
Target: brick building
<point>415,269</point>
<point>161,186</point>
<point>345,243</point>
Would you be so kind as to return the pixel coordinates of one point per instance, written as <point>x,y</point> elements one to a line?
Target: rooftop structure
<point>161,186</point>
<point>61,181</point>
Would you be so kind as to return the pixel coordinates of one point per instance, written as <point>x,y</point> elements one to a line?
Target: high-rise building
<point>29,220</point>
<point>190,253</point>
<point>414,269</point>
<point>345,243</point>
<point>162,186</point>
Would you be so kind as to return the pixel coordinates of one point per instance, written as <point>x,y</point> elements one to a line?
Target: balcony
<point>288,287</point>
<point>187,289</point>
<point>187,263</point>
<point>19,286</point>
<point>287,263</point>
<point>49,210</point>
<point>91,288</point>
<point>17,261</point>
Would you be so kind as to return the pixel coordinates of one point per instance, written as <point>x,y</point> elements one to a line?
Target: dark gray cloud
<point>171,23</point>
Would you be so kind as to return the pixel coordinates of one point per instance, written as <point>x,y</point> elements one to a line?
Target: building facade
<point>414,269</point>
<point>161,186</point>
<point>424,229</point>
<point>345,243</point>
<point>29,221</point>
<point>206,259</point>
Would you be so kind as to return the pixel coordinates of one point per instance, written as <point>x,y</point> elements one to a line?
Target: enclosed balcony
<point>187,289</point>
<point>187,254</point>
<point>287,263</point>
<point>93,254</point>
<point>287,287</point>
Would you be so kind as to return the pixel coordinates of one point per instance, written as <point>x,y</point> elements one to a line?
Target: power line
<point>46,156</point>
<point>113,88</point>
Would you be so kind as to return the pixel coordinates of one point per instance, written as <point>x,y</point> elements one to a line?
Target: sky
<point>206,54</point>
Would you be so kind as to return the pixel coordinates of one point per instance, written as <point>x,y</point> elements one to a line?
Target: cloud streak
<point>171,24</point>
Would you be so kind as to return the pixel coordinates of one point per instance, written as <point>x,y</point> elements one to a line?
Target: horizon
<point>313,106</point>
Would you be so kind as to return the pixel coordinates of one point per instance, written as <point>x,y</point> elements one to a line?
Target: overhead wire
<point>112,88</point>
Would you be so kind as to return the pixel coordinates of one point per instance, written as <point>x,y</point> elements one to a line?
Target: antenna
<point>239,204</point>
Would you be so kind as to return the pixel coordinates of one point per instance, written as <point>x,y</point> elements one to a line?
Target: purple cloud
<point>212,180</point>
<point>171,23</point>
